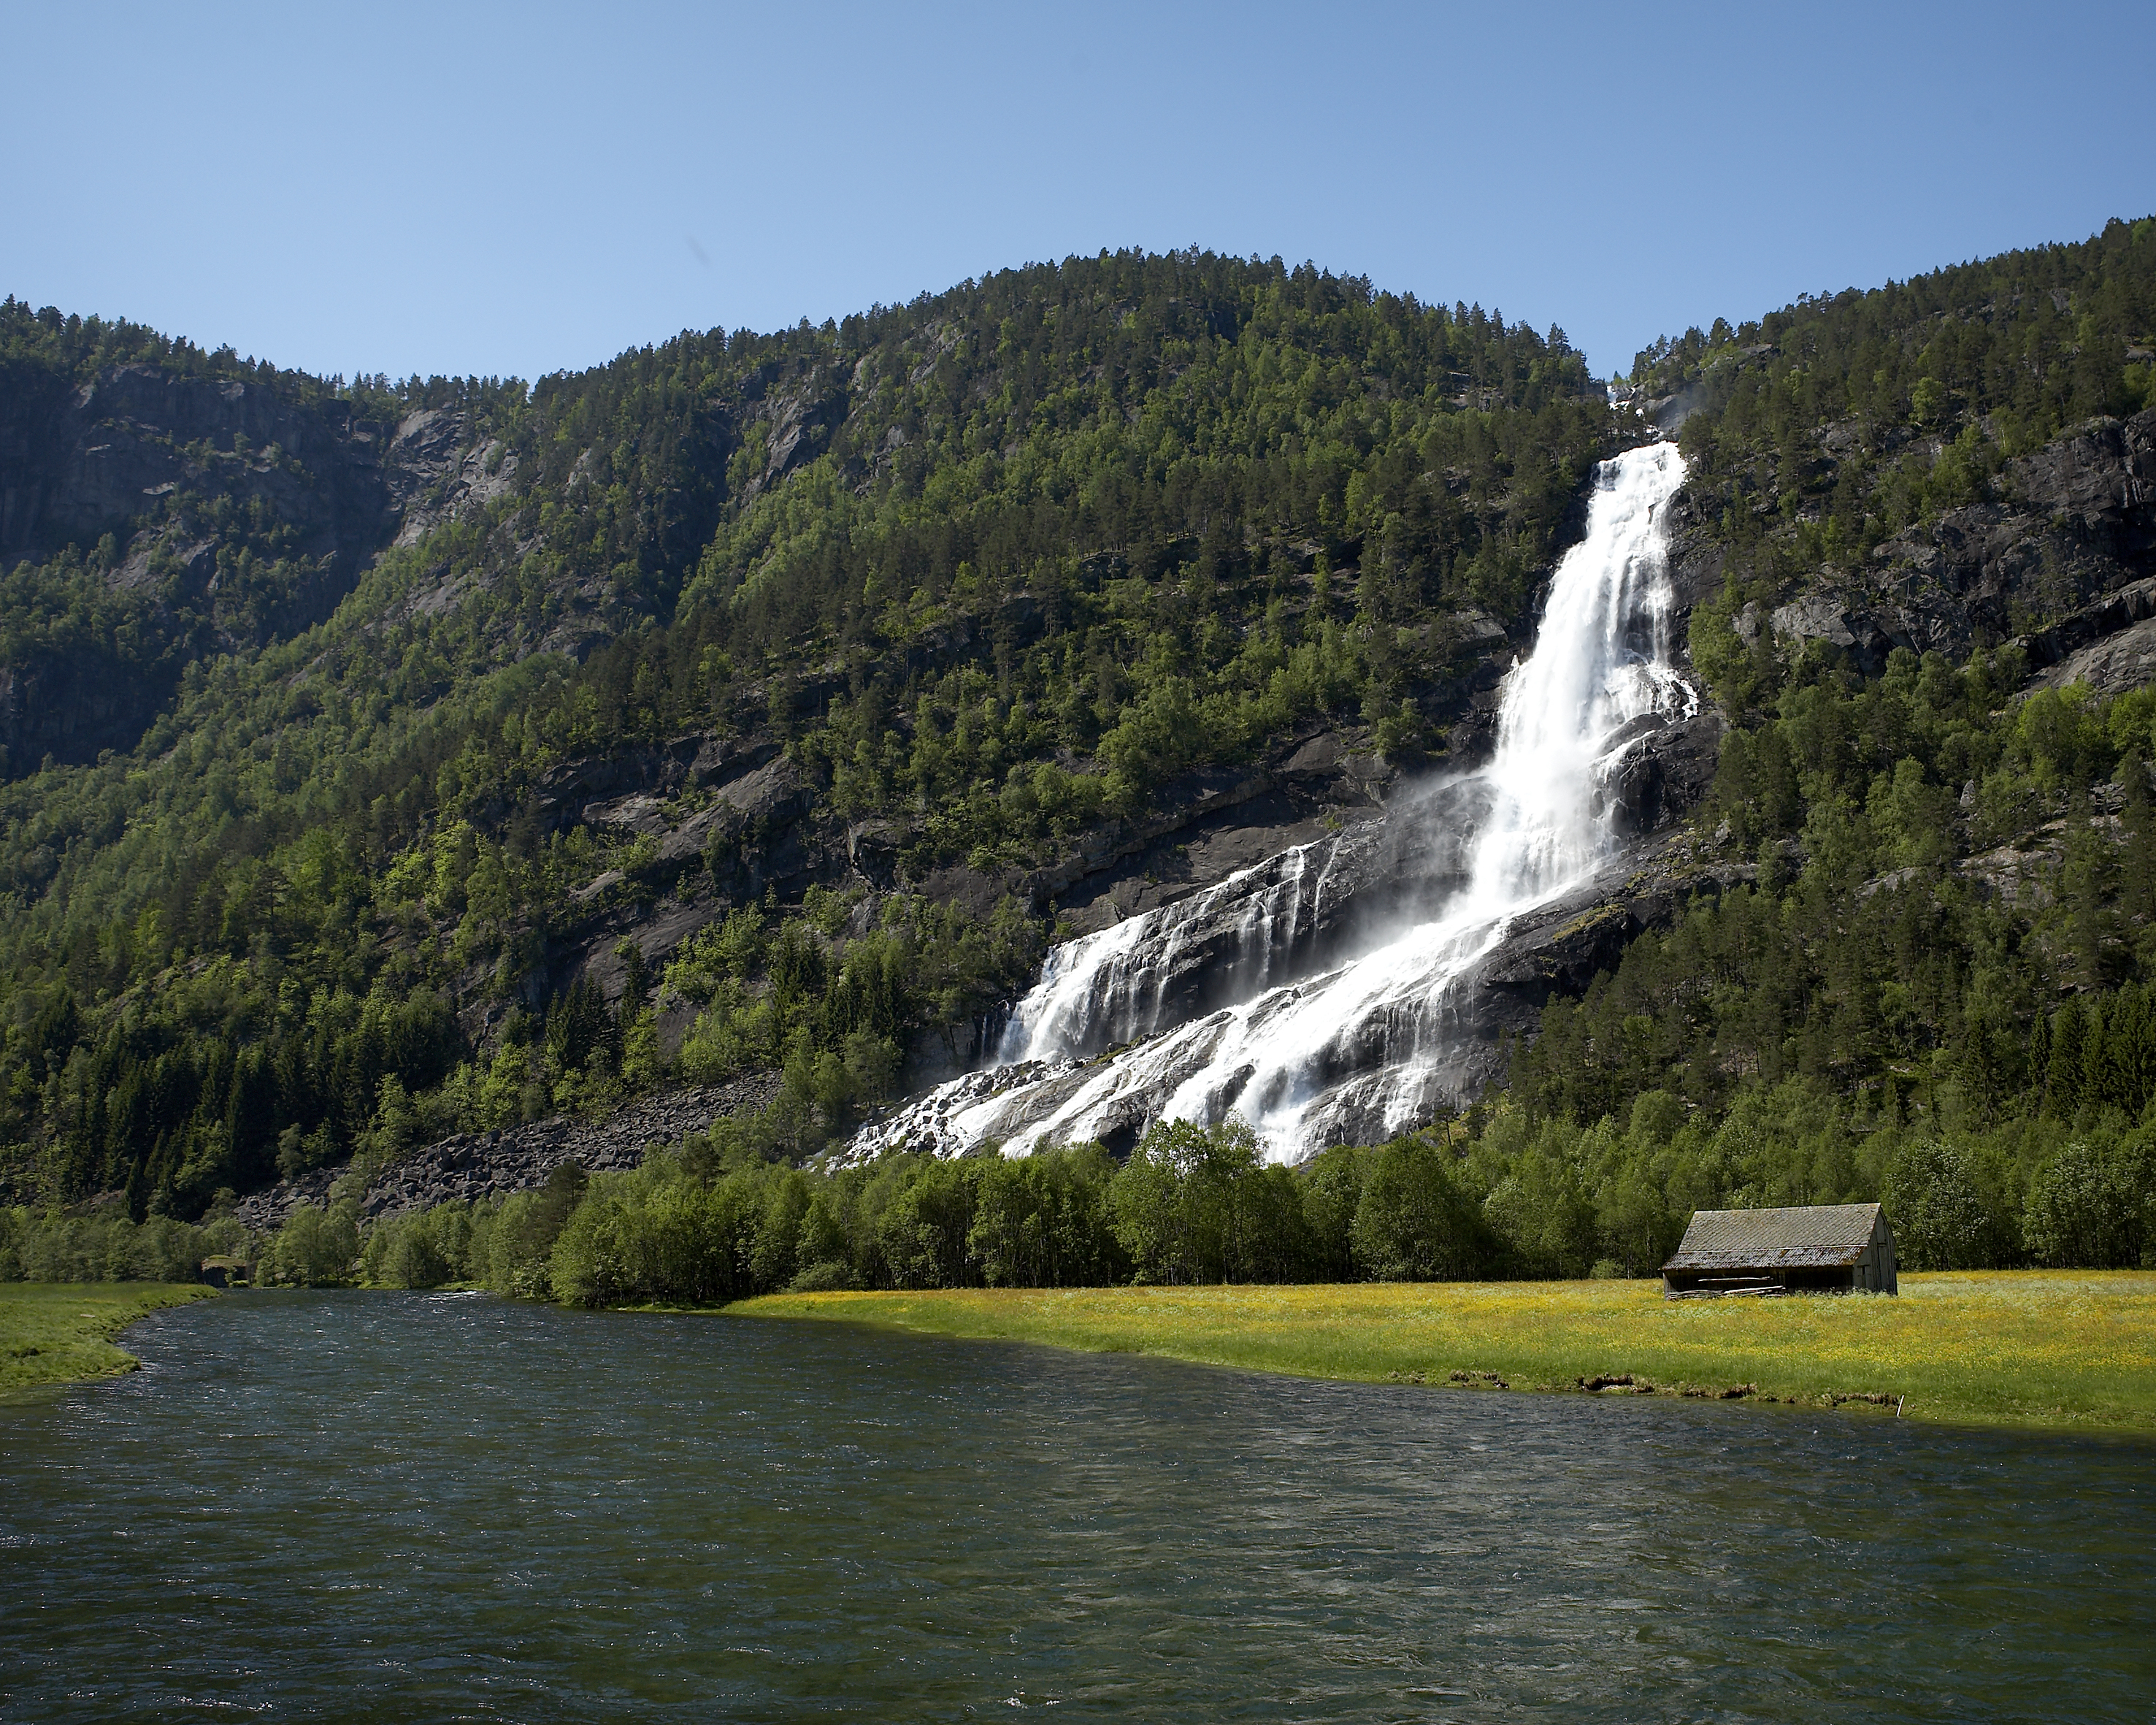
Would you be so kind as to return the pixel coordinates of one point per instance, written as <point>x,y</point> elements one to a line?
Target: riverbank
<point>59,1332</point>
<point>2060,1349</point>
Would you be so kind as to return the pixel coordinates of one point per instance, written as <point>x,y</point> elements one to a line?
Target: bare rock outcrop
<point>106,456</point>
<point>2061,560</point>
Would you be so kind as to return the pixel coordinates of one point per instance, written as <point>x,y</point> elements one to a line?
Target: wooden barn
<point>1823,1248</point>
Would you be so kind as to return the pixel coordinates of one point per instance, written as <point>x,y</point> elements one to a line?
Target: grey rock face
<point>1816,616</point>
<point>2059,564</point>
<point>2113,662</point>
<point>436,472</point>
<point>78,464</point>
<point>73,468</point>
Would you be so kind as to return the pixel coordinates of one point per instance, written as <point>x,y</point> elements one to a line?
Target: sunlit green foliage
<point>1980,362</point>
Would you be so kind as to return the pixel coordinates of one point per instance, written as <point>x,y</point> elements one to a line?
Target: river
<point>362,1507</point>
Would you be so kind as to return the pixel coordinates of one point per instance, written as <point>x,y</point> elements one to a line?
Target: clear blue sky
<point>518,190</point>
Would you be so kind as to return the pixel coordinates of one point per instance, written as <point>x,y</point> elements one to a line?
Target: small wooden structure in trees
<point>1823,1248</point>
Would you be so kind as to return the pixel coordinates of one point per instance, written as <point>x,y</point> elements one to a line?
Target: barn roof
<point>1818,1237</point>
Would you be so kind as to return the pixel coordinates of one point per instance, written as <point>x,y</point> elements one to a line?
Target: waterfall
<point>1365,1050</point>
<point>1113,986</point>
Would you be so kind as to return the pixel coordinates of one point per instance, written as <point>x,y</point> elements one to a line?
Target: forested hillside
<point>633,745</point>
<point>765,703</point>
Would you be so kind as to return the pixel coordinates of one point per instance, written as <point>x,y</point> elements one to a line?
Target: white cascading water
<point>1111,987</point>
<point>1365,1049</point>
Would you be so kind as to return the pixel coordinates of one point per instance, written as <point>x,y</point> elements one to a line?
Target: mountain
<point>392,761</point>
<point>747,703</point>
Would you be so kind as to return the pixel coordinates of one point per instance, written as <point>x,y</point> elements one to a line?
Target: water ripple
<point>377,1507</point>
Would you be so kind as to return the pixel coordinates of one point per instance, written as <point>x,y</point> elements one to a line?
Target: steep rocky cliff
<point>193,515</point>
<point>2056,561</point>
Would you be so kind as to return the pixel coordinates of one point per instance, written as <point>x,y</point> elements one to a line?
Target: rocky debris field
<point>471,1165</point>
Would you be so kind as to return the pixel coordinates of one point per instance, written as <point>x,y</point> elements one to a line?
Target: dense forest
<point>970,579</point>
<point>711,1220</point>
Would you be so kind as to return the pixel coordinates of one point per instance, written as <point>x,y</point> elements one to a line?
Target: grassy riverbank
<point>2032,1348</point>
<point>56,1332</point>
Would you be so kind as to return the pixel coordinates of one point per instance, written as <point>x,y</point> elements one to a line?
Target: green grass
<point>2074,1349</point>
<point>59,1333</point>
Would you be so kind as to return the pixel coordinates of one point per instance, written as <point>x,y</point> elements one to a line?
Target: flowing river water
<point>1369,1047</point>
<point>366,1507</point>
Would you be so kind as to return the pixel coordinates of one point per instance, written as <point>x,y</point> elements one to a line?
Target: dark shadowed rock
<point>2051,563</point>
<point>2111,664</point>
<point>104,457</point>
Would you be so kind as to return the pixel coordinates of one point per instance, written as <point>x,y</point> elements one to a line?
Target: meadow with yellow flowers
<point>2013,1347</point>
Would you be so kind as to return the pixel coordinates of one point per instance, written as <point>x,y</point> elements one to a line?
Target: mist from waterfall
<point>1369,1047</point>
